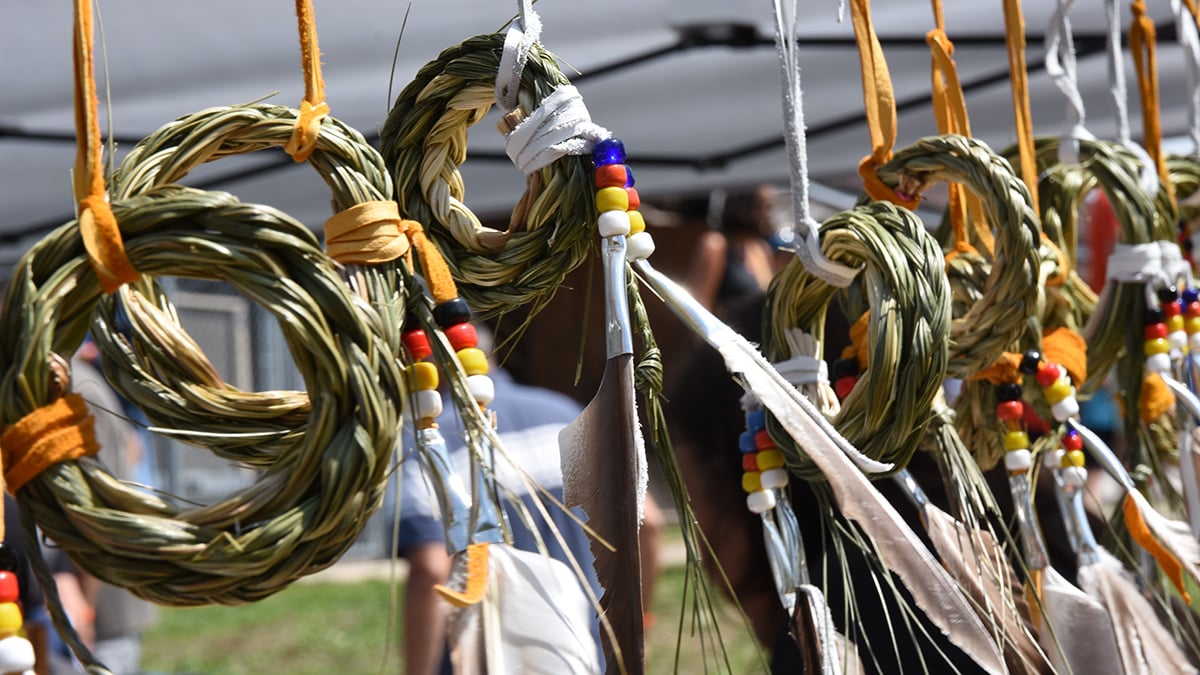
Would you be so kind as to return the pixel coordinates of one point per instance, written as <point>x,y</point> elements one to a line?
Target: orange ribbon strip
<point>313,108</point>
<point>1143,39</point>
<point>57,432</point>
<point>1014,37</point>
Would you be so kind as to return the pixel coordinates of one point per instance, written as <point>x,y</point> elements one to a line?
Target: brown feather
<point>1076,632</point>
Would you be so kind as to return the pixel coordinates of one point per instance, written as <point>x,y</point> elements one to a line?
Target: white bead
<point>16,655</point>
<point>1194,342</point>
<point>641,246</point>
<point>483,390</point>
<point>612,223</point>
<point>1158,363</point>
<point>773,478</point>
<point>429,403</point>
<point>1018,460</point>
<point>1054,458</point>
<point>761,501</point>
<point>1065,409</point>
<point>1075,476</point>
<point>1177,340</point>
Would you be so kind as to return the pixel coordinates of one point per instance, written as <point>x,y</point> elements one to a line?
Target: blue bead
<point>628,177</point>
<point>608,151</point>
<point>756,420</point>
<point>1191,295</point>
<point>746,442</point>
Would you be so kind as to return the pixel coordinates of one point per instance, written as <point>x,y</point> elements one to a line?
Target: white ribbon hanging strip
<point>1177,270</point>
<point>1116,71</point>
<point>1189,41</point>
<point>1060,66</point>
<point>803,370</point>
<point>808,249</point>
<point>522,35</point>
<point>1137,263</point>
<point>558,127</point>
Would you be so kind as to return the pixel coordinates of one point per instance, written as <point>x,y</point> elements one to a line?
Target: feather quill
<point>897,545</point>
<point>1189,462</point>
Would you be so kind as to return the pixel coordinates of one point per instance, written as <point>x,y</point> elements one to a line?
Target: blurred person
<point>735,259</point>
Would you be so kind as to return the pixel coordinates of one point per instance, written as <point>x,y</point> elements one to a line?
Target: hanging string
<point>97,225</point>
<point>313,108</point>
<point>1014,38</point>
<point>1189,41</point>
<point>808,244</point>
<point>1060,66</point>
<point>1116,71</point>
<point>880,103</point>
<point>522,35</point>
<point>1142,42</point>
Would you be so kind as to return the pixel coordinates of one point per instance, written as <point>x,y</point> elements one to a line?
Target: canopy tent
<point>691,87</point>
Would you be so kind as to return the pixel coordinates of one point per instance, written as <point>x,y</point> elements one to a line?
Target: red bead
<point>9,592</point>
<point>763,440</point>
<point>1010,411</point>
<point>750,461</point>
<point>1049,374</point>
<point>462,335</point>
<point>416,343</point>
<point>1072,442</point>
<point>611,175</point>
<point>1155,330</point>
<point>844,385</point>
<point>1172,308</point>
<point>1193,309</point>
<point>634,200</point>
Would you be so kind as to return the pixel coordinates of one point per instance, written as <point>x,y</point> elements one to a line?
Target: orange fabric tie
<point>57,432</point>
<point>1141,533</point>
<point>857,349</point>
<point>1003,370</point>
<point>1143,39</point>
<point>313,108</point>
<point>1155,399</point>
<point>1068,349</point>
<point>477,577</point>
<point>1014,29</point>
<point>97,225</point>
<point>366,234</point>
<point>433,265</point>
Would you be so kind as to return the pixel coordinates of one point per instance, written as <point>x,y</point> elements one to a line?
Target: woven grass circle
<point>1184,173</point>
<point>307,508</point>
<point>1012,294</point>
<point>152,361</point>
<point>903,285</point>
<point>425,143</point>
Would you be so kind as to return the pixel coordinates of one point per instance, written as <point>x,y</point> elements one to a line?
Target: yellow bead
<point>612,199</point>
<point>1057,391</point>
<point>1175,323</point>
<point>769,459</point>
<point>1074,458</point>
<point>1157,346</point>
<point>751,481</point>
<point>1016,440</point>
<point>638,224</point>
<point>473,360</point>
<point>10,618</point>
<point>423,376</point>
<point>1192,324</point>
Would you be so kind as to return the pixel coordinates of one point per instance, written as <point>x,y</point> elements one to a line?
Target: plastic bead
<point>1049,374</point>
<point>773,479</point>
<point>612,223</point>
<point>612,199</point>
<point>746,442</point>
<point>641,245</point>
<point>750,461</point>
<point>473,360</point>
<point>1016,440</point>
<point>1192,308</point>
<point>483,390</point>
<point>10,618</point>
<point>1175,323</point>
<point>760,501</point>
<point>637,222</point>
<point>631,195</point>
<point>629,179</point>
<point>462,336</point>
<point>762,440</point>
<point>16,655</point>
<point>844,385</point>
<point>1158,363</point>
<point>770,459</point>
<point>1072,440</point>
<point>416,343</point>
<point>756,420</point>
<point>1065,409</point>
<point>1190,295</point>
<point>1018,460</point>
<point>1167,294</point>
<point>1009,391</point>
<point>843,368</point>
<point>1155,330</point>
<point>1010,411</point>
<point>608,151</point>
<point>429,404</point>
<point>1054,459</point>
<point>1156,346</point>
<point>451,313</point>
<point>1075,476</point>
<point>611,175</point>
<point>1154,315</point>
<point>751,481</point>
<point>1178,340</point>
<point>9,591</point>
<point>1194,342</point>
<point>1030,362</point>
<point>424,375</point>
<point>1058,391</point>
<point>1192,324</point>
<point>1075,458</point>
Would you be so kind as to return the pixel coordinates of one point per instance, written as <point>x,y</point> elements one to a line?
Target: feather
<point>1077,632</point>
<point>1189,462</point>
<point>812,628</point>
<point>534,618</point>
<point>604,472</point>
<point>898,547</point>
<point>1145,645</point>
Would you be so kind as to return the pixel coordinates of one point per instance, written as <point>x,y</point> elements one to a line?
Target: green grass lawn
<point>351,629</point>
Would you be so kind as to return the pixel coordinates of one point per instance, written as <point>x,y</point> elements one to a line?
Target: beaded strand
<point>617,199</point>
<point>762,464</point>
<point>16,652</point>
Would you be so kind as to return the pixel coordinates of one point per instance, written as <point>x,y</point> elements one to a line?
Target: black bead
<point>1009,391</point>
<point>1030,362</point>
<point>452,313</point>
<point>1168,294</point>
<point>1154,315</point>
<point>844,368</point>
<point>8,558</point>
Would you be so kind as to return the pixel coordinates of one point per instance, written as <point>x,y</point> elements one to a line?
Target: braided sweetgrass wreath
<point>424,142</point>
<point>307,507</point>
<point>906,291</point>
<point>152,361</point>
